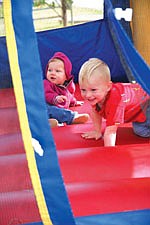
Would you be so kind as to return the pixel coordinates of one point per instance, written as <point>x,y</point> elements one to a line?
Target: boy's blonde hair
<point>92,65</point>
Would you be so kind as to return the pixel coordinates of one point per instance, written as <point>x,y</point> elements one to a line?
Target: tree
<point>65,4</point>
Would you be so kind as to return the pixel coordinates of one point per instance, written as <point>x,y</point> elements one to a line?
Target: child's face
<point>95,89</point>
<point>56,72</point>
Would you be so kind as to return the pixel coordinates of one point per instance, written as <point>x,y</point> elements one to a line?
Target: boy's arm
<point>110,135</point>
<point>97,122</point>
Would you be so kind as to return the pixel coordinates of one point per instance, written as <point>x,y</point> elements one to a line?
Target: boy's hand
<point>92,135</point>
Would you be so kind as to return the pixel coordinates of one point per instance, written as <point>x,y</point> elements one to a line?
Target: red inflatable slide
<point>92,179</point>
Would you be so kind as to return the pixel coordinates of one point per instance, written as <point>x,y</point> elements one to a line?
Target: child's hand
<point>92,135</point>
<point>79,103</point>
<point>61,98</point>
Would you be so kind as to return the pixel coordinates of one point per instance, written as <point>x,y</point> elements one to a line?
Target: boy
<point>116,102</point>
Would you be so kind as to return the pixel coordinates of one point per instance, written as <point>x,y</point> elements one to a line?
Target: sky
<point>96,4</point>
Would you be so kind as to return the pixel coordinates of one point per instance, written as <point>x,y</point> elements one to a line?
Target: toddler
<point>59,91</point>
<point>116,102</point>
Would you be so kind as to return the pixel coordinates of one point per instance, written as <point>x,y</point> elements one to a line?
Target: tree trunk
<point>64,12</point>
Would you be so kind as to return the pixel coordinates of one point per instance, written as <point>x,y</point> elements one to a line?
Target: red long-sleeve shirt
<point>124,103</point>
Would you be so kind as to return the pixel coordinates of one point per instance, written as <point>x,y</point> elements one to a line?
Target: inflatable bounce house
<point>53,176</point>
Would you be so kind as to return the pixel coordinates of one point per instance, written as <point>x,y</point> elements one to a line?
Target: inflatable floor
<point>105,185</point>
<point>63,179</point>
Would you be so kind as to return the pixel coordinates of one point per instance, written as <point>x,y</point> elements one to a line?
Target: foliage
<point>68,3</point>
<point>39,2</point>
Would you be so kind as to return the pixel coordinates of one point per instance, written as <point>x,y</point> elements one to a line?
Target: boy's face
<point>95,89</point>
<point>56,72</point>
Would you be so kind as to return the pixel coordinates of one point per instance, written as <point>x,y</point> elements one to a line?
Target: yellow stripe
<point>25,130</point>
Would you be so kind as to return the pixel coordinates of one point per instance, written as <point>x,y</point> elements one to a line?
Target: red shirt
<point>125,103</point>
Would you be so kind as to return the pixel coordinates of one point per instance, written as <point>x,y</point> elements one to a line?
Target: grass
<point>48,18</point>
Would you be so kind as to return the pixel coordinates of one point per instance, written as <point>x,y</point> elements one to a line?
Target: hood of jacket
<point>67,63</point>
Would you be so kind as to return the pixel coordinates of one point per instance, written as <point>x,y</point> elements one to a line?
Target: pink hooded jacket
<point>67,89</point>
